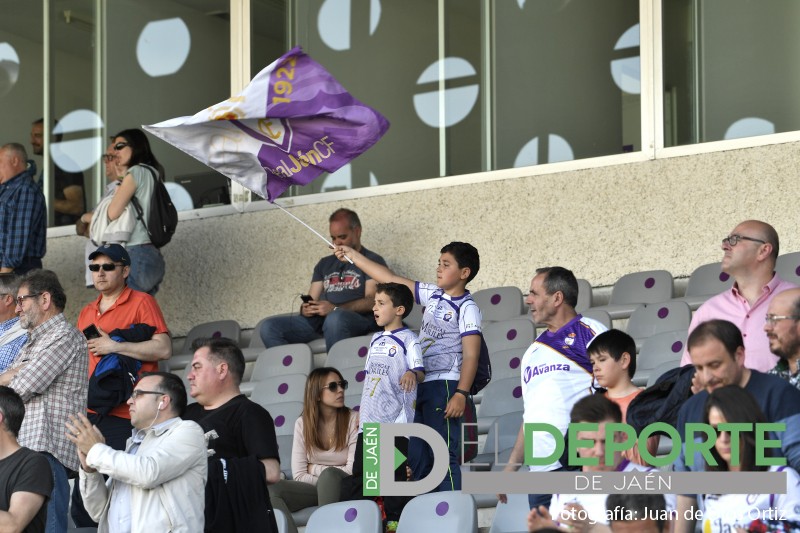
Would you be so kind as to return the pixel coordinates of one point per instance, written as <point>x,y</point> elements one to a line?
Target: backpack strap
<point>135,201</point>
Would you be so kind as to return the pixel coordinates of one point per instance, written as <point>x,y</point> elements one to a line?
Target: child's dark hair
<point>595,408</point>
<point>399,294</point>
<point>615,343</point>
<point>465,255</point>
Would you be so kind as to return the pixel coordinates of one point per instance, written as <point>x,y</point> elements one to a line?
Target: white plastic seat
<point>280,519</point>
<point>647,320</point>
<point>285,443</point>
<point>355,516</point>
<point>660,349</point>
<point>584,295</point>
<point>788,267</point>
<point>506,363</point>
<point>511,517</point>
<point>440,511</point>
<point>598,314</point>
<point>349,352</point>
<point>631,290</point>
<point>507,334</point>
<point>705,282</point>
<point>230,329</point>
<point>283,415</point>
<point>499,303</point>
<point>502,435</point>
<point>499,397</point>
<point>279,389</point>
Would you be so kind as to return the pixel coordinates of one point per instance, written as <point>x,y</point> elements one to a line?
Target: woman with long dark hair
<point>726,512</point>
<point>323,448</point>
<point>138,169</point>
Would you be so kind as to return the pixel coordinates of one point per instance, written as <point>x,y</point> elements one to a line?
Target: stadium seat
<point>439,511</point>
<point>255,338</point>
<point>705,282</point>
<point>788,267</point>
<point>279,389</point>
<point>659,371</point>
<point>584,296</point>
<point>283,415</point>
<point>352,399</point>
<point>280,519</point>
<point>279,361</point>
<point>501,436</point>
<point>499,303</point>
<point>229,329</point>
<point>598,314</point>
<point>647,320</point>
<point>349,352</point>
<point>355,379</point>
<point>658,350</point>
<point>507,334</point>
<point>355,516</point>
<point>505,363</point>
<point>630,290</point>
<point>285,453</point>
<point>511,517</point>
<point>499,397</point>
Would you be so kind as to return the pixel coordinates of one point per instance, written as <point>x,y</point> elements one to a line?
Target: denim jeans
<point>432,398</point>
<point>58,505</point>
<point>337,325</point>
<point>147,268</point>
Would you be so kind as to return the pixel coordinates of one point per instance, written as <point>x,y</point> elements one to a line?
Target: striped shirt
<point>53,383</point>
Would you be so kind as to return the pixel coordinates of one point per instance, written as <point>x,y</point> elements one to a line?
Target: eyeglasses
<point>107,267</point>
<point>139,392</point>
<point>333,386</point>
<point>120,146</point>
<point>733,240</point>
<point>108,157</point>
<point>774,319</point>
<point>21,299</point>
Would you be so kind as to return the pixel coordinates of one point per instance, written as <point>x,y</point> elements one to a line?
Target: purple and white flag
<point>293,122</point>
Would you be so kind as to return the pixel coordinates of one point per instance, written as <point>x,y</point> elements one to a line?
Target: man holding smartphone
<point>339,303</point>
<point>117,307</point>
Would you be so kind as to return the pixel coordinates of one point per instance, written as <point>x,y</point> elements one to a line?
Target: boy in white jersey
<point>450,339</point>
<point>394,367</point>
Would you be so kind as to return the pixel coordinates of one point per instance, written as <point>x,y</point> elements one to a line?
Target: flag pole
<point>315,232</point>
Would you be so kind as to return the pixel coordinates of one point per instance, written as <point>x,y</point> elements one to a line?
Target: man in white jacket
<point>158,482</point>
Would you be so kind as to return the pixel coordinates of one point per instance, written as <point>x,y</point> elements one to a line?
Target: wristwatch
<point>462,391</point>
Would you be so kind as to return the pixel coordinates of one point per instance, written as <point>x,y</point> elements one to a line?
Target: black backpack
<point>163,218</point>
<point>484,373</point>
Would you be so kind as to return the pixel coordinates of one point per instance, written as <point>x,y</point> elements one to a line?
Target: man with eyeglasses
<point>783,332</point>
<point>243,449</point>
<point>157,483</point>
<point>23,214</point>
<point>118,307</point>
<point>719,354</point>
<point>51,376</point>
<point>749,255</point>
<point>12,335</point>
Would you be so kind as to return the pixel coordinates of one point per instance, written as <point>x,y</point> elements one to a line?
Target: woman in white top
<point>137,168</point>
<point>726,512</point>
<point>323,448</point>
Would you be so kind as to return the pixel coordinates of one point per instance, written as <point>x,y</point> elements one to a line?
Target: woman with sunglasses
<point>727,512</point>
<point>323,447</point>
<point>138,169</point>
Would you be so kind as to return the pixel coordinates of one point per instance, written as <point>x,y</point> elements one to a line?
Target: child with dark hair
<point>450,339</point>
<point>613,358</point>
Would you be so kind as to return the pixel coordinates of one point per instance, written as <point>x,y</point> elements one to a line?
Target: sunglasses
<point>333,386</point>
<point>107,267</point>
<point>120,146</point>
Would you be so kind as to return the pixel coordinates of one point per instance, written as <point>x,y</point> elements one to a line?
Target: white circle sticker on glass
<point>626,72</point>
<point>163,47</point>
<point>333,22</point>
<point>342,179</point>
<point>558,149</point>
<point>458,101</point>
<point>9,68</point>
<point>77,155</point>
<point>749,127</point>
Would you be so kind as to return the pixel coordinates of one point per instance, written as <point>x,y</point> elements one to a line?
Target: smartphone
<point>91,332</point>
<point>306,298</point>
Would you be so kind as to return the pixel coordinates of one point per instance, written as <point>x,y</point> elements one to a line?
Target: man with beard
<point>783,331</point>
<point>68,202</point>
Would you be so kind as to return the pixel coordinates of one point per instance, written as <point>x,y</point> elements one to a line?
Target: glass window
<point>730,69</point>
<point>567,83</point>
<point>405,59</point>
<point>165,59</point>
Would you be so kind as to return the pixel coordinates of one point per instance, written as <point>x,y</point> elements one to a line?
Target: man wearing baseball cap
<point>118,307</point>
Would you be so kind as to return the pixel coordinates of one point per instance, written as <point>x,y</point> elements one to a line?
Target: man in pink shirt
<point>749,257</point>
